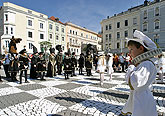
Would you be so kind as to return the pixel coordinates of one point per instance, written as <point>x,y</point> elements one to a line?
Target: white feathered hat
<point>143,39</point>
<point>100,53</point>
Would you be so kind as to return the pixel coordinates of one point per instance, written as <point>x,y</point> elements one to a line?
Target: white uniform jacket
<point>139,79</point>
<point>101,64</point>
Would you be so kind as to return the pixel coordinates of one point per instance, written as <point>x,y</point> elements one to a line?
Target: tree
<point>45,45</point>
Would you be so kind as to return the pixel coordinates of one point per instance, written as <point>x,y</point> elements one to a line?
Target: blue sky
<point>85,13</point>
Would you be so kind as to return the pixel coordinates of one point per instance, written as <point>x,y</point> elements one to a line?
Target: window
<point>106,36</point>
<point>81,34</point>
<point>145,14</point>
<point>11,30</point>
<point>30,35</point>
<point>63,48</point>
<point>41,36</point>
<point>50,26</point>
<point>157,11</point>
<point>56,37</point>
<point>50,36</point>
<point>62,38</point>
<point>118,35</point>
<point>77,50</point>
<point>7,31</point>
<point>41,26</point>
<point>134,21</point>
<point>29,22</point>
<point>62,30</point>
<point>126,33</point>
<point>73,32</point>
<point>30,46</point>
<point>110,27</point>
<point>157,24</point>
<point>6,43</point>
<point>156,38</point>
<point>76,33</point>
<point>126,22</point>
<point>57,28</point>
<point>134,30</point>
<point>118,24</point>
<point>29,11</point>
<point>86,36</point>
<point>110,37</point>
<point>70,40</point>
<point>106,27</point>
<point>145,26</point>
<point>70,31</point>
<point>118,45</point>
<point>6,17</point>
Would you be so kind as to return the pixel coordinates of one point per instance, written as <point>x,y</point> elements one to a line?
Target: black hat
<point>41,53</point>
<point>34,49</point>
<point>73,53</point>
<point>52,50</point>
<point>58,47</point>
<point>66,53</point>
<point>22,51</point>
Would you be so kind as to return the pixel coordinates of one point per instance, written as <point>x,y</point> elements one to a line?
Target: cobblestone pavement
<point>78,96</point>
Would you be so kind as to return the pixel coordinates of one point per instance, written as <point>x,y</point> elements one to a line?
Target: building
<point>116,28</point>
<point>56,33</point>
<point>23,23</point>
<point>76,36</point>
<point>148,18</point>
<point>152,21</point>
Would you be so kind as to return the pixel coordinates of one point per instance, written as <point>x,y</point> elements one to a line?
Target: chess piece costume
<point>88,63</point>
<point>67,66</point>
<point>52,64</point>
<point>81,62</point>
<point>140,77</point>
<point>24,61</point>
<point>74,63</point>
<point>59,63</point>
<point>41,66</point>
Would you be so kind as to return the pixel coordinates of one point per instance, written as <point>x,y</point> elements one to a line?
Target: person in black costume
<point>52,63</point>
<point>88,63</point>
<point>74,63</point>
<point>33,69</point>
<point>67,65</point>
<point>59,59</point>
<point>24,61</point>
<point>81,61</point>
<point>41,66</point>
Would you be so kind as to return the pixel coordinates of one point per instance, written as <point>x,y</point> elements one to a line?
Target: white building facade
<point>76,36</point>
<point>22,23</point>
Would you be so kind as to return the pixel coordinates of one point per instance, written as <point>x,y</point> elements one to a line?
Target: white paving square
<point>52,83</point>
<point>9,90</point>
<point>41,107</point>
<point>46,92</point>
<point>89,90</point>
<point>98,106</point>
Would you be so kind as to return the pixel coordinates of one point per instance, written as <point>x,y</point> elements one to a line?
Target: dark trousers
<point>66,75</point>
<point>80,71</point>
<point>89,72</point>
<point>73,72</point>
<point>6,69</point>
<point>25,72</point>
<point>59,69</point>
<point>122,65</point>
<point>13,76</point>
<point>41,75</point>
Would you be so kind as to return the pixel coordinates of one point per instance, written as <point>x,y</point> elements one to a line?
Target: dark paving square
<point>119,96</point>
<point>13,99</point>
<point>68,86</point>
<point>105,85</point>
<point>69,80</point>
<point>119,79</point>
<point>68,99</point>
<point>4,85</point>
<point>69,112</point>
<point>30,87</point>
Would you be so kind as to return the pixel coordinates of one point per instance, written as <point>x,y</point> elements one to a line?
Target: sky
<point>85,13</point>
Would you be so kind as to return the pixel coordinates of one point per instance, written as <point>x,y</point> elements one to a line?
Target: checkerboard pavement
<point>78,96</point>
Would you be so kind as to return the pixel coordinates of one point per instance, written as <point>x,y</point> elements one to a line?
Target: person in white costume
<point>109,65</point>
<point>161,67</point>
<point>140,76</point>
<point>101,66</point>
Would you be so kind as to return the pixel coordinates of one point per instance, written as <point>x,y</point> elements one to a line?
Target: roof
<point>55,19</point>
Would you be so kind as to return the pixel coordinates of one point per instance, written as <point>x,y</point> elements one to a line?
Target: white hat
<point>144,40</point>
<point>100,53</point>
<point>110,54</point>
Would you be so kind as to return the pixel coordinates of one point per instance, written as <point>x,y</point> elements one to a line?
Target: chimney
<point>145,2</point>
<point>57,19</point>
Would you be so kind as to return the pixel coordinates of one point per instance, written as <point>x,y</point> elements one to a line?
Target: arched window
<point>157,11</point>
<point>145,26</point>
<point>157,24</point>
